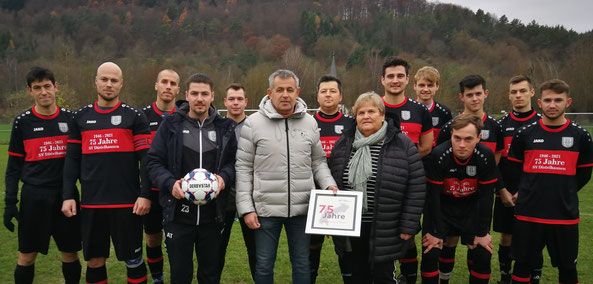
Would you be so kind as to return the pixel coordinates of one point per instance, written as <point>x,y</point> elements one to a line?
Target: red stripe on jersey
<point>491,145</point>
<point>46,116</point>
<point>547,221</point>
<point>435,133</point>
<point>541,123</point>
<point>15,154</point>
<point>152,134</point>
<point>432,106</point>
<point>99,110</point>
<point>585,166</point>
<point>108,206</point>
<point>107,141</point>
<point>328,120</point>
<point>479,275</point>
<point>154,189</point>
<point>484,117</point>
<point>460,188</point>
<point>141,142</point>
<point>394,106</point>
<point>464,163</point>
<point>100,282</point>
<point>447,260</point>
<point>521,279</point>
<point>515,160</point>
<point>488,181</point>
<point>139,280</point>
<point>44,148</point>
<point>74,141</point>
<point>328,143</point>
<point>434,181</point>
<point>429,274</point>
<point>523,119</point>
<point>412,130</point>
<point>551,162</point>
<point>158,111</point>
<point>507,146</point>
<point>408,260</point>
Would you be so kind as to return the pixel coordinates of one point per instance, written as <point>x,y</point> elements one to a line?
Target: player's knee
<point>506,239</point>
<point>69,256</point>
<point>133,263</point>
<point>26,259</point>
<point>481,259</point>
<point>96,262</point>
<point>154,240</point>
<point>430,260</point>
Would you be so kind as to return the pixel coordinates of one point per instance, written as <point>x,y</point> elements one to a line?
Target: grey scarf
<point>361,164</point>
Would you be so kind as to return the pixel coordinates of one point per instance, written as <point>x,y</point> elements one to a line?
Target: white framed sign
<point>337,215</point>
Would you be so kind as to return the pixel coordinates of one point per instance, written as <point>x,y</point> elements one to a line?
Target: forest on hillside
<point>245,40</point>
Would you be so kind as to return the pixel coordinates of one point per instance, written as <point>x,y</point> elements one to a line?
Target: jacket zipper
<point>200,138</point>
<point>375,210</point>
<point>288,163</point>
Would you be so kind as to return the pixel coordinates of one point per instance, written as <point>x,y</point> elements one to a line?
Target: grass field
<point>48,267</point>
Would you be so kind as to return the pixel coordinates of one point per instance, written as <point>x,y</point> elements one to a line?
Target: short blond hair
<point>371,97</point>
<point>429,74</point>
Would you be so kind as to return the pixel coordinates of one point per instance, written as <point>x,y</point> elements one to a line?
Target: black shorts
<point>41,217</point>
<point>503,220</point>
<point>530,238</point>
<point>153,221</point>
<point>124,228</point>
<point>466,238</point>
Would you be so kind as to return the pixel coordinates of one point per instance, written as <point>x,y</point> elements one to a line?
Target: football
<point>199,186</point>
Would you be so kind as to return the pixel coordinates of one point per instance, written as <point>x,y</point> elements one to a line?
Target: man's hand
<point>251,220</point>
<point>142,206</point>
<point>515,196</point>
<point>333,188</point>
<point>176,191</point>
<point>69,207</point>
<point>507,198</point>
<point>429,241</point>
<point>405,237</point>
<point>10,211</point>
<point>485,242</point>
<point>220,184</point>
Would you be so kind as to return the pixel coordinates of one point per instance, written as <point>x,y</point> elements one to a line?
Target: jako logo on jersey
<point>154,123</point>
<point>185,131</point>
<point>212,135</point>
<point>435,121</point>
<point>406,114</point>
<point>567,142</point>
<point>63,126</point>
<point>116,119</point>
<point>91,121</point>
<point>485,134</point>
<point>538,140</point>
<point>38,129</point>
<point>510,129</point>
<point>470,170</point>
<point>338,128</point>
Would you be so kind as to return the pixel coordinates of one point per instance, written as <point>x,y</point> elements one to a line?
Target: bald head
<point>109,81</point>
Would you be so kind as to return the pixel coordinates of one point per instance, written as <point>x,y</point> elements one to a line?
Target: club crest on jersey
<point>470,170</point>
<point>212,135</point>
<point>406,114</point>
<point>435,121</point>
<point>338,128</point>
<point>485,134</point>
<point>116,119</point>
<point>567,142</point>
<point>63,126</point>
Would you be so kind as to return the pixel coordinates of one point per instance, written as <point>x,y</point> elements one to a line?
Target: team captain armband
<point>142,141</point>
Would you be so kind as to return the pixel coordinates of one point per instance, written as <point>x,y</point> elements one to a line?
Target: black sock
<point>536,273</point>
<point>71,271</point>
<point>137,272</point>
<point>409,265</point>
<point>24,274</point>
<point>446,263</point>
<point>96,275</point>
<point>154,258</point>
<point>505,261</point>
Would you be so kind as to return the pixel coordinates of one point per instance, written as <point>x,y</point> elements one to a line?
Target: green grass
<point>5,133</point>
<point>48,267</point>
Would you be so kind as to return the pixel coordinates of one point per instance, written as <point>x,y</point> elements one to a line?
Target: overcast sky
<point>572,14</point>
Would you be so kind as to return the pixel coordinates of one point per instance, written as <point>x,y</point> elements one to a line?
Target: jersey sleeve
<point>586,151</point>
<point>445,134</point>
<point>432,221</point>
<point>72,161</point>
<point>141,133</point>
<point>499,138</point>
<point>14,167</point>
<point>487,179</point>
<point>426,121</point>
<point>516,149</point>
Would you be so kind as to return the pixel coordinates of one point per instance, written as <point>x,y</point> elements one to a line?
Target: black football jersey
<point>331,128</point>
<point>464,188</point>
<point>104,151</point>
<point>37,149</point>
<point>440,115</point>
<point>509,124</point>
<point>414,118</point>
<point>550,157</point>
<point>155,117</point>
<point>491,134</point>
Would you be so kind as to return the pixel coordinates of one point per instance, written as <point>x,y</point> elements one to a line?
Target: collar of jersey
<point>46,116</point>
<point>158,111</point>
<point>546,128</point>
<point>467,161</point>
<point>395,106</point>
<point>328,119</point>
<point>525,118</point>
<point>108,110</point>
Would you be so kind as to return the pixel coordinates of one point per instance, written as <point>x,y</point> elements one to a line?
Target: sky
<point>572,14</point>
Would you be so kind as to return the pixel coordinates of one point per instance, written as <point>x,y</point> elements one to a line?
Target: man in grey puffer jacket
<point>279,159</point>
